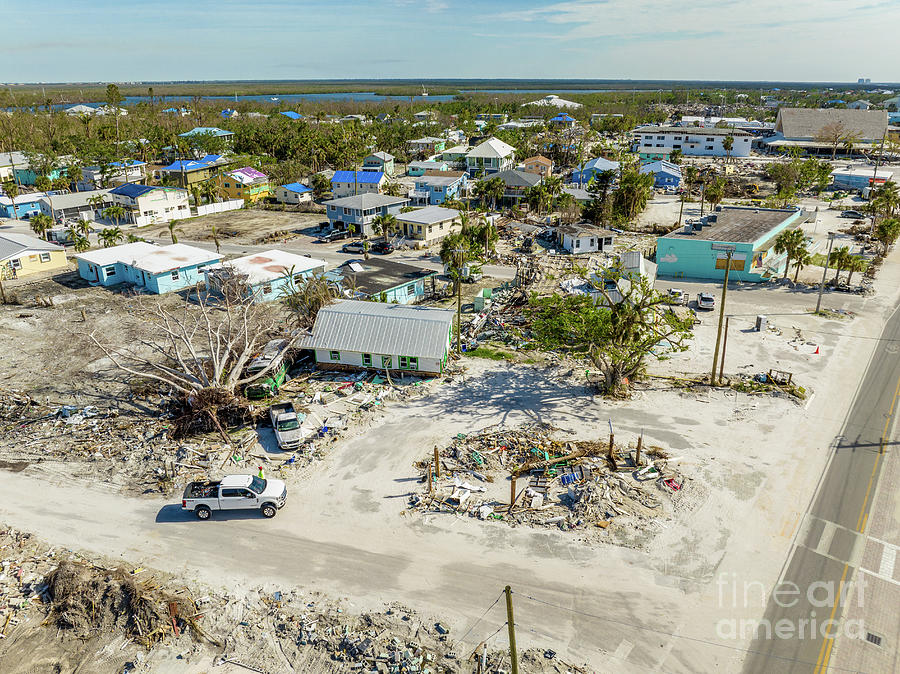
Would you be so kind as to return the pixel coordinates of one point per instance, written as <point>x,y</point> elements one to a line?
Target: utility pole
<point>724,346</point>
<point>729,250</point>
<point>458,253</point>
<point>825,271</point>
<point>511,625</point>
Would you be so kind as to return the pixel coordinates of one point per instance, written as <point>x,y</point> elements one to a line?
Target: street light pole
<point>729,251</point>
<point>825,271</point>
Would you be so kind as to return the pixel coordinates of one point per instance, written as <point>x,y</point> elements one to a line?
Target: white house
<point>556,102</point>
<point>353,334</point>
<point>75,206</point>
<point>147,205</point>
<point>293,193</point>
<point>491,156</point>
<point>267,276</point>
<point>693,141</point>
<point>128,171</point>
<point>584,238</point>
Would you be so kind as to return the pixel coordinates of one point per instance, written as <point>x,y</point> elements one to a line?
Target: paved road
<point>831,538</point>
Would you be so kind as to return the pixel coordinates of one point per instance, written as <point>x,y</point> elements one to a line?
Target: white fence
<point>232,205</point>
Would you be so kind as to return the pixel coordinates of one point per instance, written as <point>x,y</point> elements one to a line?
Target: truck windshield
<point>288,425</point>
<point>258,485</point>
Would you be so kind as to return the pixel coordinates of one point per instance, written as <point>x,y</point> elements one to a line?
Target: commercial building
<point>860,178</point>
<point>692,141</point>
<point>265,276</point>
<point>23,255</point>
<point>351,334</point>
<point>820,130</point>
<point>695,252</point>
<point>157,269</point>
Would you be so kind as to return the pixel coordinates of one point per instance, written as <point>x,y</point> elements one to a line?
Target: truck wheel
<point>203,513</point>
<point>269,510</point>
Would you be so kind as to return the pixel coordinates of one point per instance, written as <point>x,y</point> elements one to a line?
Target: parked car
<point>333,235</point>
<point>677,296</point>
<point>286,424</point>
<point>706,301</point>
<point>353,247</point>
<point>234,492</point>
<point>856,215</point>
<point>383,247</point>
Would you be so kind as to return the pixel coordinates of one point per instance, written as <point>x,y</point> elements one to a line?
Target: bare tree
<point>833,134</point>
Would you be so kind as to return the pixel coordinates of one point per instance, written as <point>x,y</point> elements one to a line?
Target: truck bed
<point>201,490</point>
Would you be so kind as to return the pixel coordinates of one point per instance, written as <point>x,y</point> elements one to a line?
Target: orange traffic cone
<point>817,351</point>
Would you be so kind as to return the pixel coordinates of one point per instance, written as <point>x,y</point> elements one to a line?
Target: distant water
<point>287,99</point>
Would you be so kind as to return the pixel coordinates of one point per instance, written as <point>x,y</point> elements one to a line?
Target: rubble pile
<point>584,486</point>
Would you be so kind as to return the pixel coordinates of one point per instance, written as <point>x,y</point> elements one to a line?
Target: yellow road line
<point>828,643</point>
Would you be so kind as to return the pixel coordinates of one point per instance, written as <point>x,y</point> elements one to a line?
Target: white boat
<point>424,92</point>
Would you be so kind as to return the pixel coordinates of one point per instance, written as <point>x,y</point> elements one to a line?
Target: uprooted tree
<point>623,324</point>
<point>200,352</point>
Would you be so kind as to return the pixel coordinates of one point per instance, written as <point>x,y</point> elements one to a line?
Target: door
<point>232,499</point>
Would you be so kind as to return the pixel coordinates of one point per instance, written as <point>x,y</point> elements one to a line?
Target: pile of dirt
<point>88,600</point>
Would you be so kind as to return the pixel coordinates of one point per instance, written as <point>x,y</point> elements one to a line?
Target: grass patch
<point>490,354</point>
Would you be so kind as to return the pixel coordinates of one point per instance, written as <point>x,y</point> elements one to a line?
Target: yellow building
<point>23,255</point>
<point>245,183</point>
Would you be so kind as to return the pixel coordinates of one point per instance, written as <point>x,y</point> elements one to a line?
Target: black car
<point>333,235</point>
<point>383,247</point>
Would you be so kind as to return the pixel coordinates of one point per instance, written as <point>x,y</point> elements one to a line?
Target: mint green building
<point>689,253</point>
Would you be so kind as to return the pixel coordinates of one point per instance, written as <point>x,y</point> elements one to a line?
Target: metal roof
<point>368,200</point>
<point>13,245</point>
<point>738,225</point>
<point>74,199</point>
<point>692,130</point>
<point>599,164</point>
<point>198,130</point>
<point>361,177</point>
<point>132,190</point>
<point>290,114</point>
<point>383,156</point>
<point>661,166</point>
<point>124,253</point>
<point>299,188</point>
<point>382,329</point>
<point>807,123</point>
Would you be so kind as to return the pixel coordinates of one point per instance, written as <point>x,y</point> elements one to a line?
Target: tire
<point>203,513</point>
<point>268,510</point>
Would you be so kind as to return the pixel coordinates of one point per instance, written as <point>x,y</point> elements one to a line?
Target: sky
<point>125,40</point>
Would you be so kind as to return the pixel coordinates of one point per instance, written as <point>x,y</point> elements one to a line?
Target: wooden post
<point>511,624</point>
<point>637,454</point>
<point>437,462</point>
<point>430,487</point>
<point>724,346</point>
<point>512,492</point>
<point>612,455</point>
<point>83,316</point>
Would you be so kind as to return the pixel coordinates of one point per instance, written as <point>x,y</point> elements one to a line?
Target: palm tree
<point>209,190</point>
<point>110,236</point>
<point>715,192</point>
<point>728,146</point>
<point>384,224</point>
<point>840,258</point>
<point>115,212</point>
<point>789,242</point>
<point>690,177</point>
<point>855,263</point>
<point>83,227</point>
<point>40,223</point>
<point>173,227</point>
<point>801,259</point>
<point>79,241</point>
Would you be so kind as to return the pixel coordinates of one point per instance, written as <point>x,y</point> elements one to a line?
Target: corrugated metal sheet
<point>361,177</point>
<point>390,329</point>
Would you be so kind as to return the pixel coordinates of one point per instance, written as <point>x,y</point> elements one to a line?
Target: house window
<point>607,241</point>
<point>347,211</point>
<point>709,147</point>
<point>411,290</point>
<point>591,243</point>
<point>409,363</point>
<point>15,263</point>
<point>387,362</point>
<point>660,138</point>
<point>110,271</point>
<point>578,243</point>
<point>367,360</point>
<point>45,257</point>
<point>710,140</point>
<point>648,144</point>
<point>267,289</point>
<point>676,138</point>
<point>334,355</point>
<point>175,275</point>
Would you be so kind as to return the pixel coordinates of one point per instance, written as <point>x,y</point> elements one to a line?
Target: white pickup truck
<point>235,492</point>
<point>286,424</point>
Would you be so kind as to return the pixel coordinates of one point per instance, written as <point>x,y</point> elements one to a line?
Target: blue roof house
<point>665,174</point>
<point>290,114</point>
<point>590,169</point>
<point>350,183</point>
<point>293,193</point>
<point>563,119</point>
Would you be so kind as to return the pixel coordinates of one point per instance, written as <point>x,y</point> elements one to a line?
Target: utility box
<point>762,322</point>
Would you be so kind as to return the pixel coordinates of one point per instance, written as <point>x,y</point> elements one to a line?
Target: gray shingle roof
<point>513,178</point>
<point>806,123</point>
<point>368,200</point>
<point>382,329</point>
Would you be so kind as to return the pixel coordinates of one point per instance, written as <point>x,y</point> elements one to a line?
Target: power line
<point>675,636</point>
<point>486,611</point>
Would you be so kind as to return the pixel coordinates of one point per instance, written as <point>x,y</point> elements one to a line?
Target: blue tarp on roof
<point>291,114</point>
<point>563,117</point>
<point>132,190</point>
<point>128,162</point>
<point>361,177</point>
<point>298,188</point>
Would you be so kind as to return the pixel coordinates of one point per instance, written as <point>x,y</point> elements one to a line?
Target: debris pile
<point>584,486</point>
